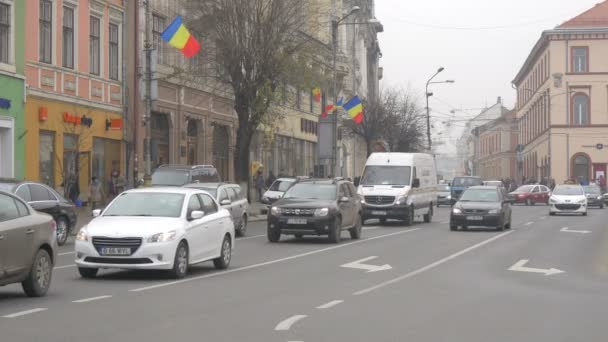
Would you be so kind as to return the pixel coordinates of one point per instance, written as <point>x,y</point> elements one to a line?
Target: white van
<point>399,186</point>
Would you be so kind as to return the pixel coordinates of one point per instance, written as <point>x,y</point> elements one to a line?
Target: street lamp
<point>428,112</point>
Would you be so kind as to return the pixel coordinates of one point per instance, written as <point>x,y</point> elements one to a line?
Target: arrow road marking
<point>286,324</point>
<point>567,230</point>
<point>359,264</point>
<point>520,267</point>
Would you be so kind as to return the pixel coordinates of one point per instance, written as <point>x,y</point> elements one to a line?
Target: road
<point>544,280</point>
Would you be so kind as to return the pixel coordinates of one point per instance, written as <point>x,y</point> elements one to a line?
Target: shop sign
<point>77,120</point>
<point>113,124</point>
<point>4,103</point>
<point>43,114</point>
<point>598,146</point>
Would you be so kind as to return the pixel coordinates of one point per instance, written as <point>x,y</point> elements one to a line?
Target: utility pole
<point>148,99</point>
<point>334,50</point>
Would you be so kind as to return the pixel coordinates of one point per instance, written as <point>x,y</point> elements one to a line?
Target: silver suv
<point>28,245</point>
<point>231,198</point>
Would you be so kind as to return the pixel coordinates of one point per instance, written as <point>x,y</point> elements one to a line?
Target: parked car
<point>45,199</point>
<point>278,188</point>
<point>460,184</point>
<point>317,207</point>
<point>496,183</point>
<point>180,175</point>
<point>444,196</point>
<point>605,196</point>
<point>399,186</point>
<point>568,198</point>
<point>230,197</point>
<point>481,206</point>
<point>156,229</point>
<point>594,196</point>
<point>531,194</point>
<point>28,246</point>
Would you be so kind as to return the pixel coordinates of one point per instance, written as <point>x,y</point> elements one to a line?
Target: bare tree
<point>404,123</point>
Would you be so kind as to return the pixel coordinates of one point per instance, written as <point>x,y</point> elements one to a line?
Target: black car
<point>594,196</point>
<point>180,175</point>
<point>481,206</point>
<point>44,199</point>
<point>460,184</point>
<point>317,207</point>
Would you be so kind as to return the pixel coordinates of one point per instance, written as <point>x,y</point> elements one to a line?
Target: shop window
<point>46,158</point>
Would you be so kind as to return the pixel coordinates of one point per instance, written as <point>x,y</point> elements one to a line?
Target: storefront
<point>69,144</point>
<point>11,127</point>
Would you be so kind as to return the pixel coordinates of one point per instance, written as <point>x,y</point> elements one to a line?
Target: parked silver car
<point>230,197</point>
<point>28,246</point>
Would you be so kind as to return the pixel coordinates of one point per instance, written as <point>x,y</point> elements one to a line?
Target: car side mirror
<point>225,202</point>
<point>96,212</point>
<point>344,199</point>
<point>196,214</point>
<point>416,183</point>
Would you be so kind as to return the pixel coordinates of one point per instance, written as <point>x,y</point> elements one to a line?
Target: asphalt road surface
<point>544,280</point>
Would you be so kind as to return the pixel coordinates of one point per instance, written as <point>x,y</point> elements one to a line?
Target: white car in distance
<point>156,229</point>
<point>568,199</point>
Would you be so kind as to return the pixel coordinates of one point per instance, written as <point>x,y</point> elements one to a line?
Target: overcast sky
<point>481,43</point>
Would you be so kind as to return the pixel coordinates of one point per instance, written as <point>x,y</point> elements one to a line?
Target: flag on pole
<point>179,37</point>
<point>354,107</point>
<point>331,107</point>
<point>316,94</point>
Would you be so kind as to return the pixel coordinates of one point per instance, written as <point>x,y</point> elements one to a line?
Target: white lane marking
<point>359,264</point>
<point>250,237</point>
<point>543,217</point>
<point>26,312</point>
<point>64,266</point>
<point>371,228</point>
<point>520,267</point>
<point>86,300</point>
<point>445,222</point>
<point>330,304</point>
<point>286,324</point>
<point>66,253</point>
<point>528,223</point>
<point>430,266</point>
<point>568,230</point>
<point>275,261</point>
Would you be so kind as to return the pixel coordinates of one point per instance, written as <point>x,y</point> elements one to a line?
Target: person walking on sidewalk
<point>259,184</point>
<point>97,194</point>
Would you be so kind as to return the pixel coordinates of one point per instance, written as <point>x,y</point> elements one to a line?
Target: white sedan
<point>568,199</point>
<point>156,228</point>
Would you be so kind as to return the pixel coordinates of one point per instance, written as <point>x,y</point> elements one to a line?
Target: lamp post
<point>428,112</point>
<point>335,23</point>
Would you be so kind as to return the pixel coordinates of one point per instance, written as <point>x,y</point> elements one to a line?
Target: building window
<point>46,31</point>
<point>580,167</point>
<point>94,48</point>
<point>5,32</point>
<point>298,98</point>
<point>68,37</point>
<point>580,109</point>
<point>158,26</point>
<point>580,59</point>
<point>114,58</point>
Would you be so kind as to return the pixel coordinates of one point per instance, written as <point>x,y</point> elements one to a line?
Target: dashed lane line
<point>286,324</point>
<point>92,299</point>
<point>23,313</point>
<point>330,304</point>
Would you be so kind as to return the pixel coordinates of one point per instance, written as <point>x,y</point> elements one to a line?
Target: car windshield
<point>280,185</point>
<point>479,195</point>
<point>325,192</point>
<point>443,188</point>
<point>568,191</point>
<point>386,175</point>
<point>156,204</point>
<point>591,189</point>
<point>170,177</point>
<point>466,181</point>
<point>525,188</point>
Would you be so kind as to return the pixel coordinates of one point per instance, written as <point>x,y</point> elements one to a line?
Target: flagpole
<point>148,98</point>
<point>334,41</point>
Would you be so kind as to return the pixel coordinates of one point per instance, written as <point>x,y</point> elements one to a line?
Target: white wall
<point>7,149</point>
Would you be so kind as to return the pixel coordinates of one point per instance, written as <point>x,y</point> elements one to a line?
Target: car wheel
<point>551,214</point>
<point>180,263</point>
<point>453,228</point>
<point>38,280</point>
<point>355,232</point>
<point>383,221</point>
<point>602,206</point>
<point>335,232</point>
<point>273,235</point>
<point>585,213</point>
<point>223,261</point>
<point>243,227</point>
<point>409,218</point>
<point>87,272</point>
<point>299,236</point>
<point>62,231</point>
<point>529,202</point>
<point>508,225</point>
<point>429,216</point>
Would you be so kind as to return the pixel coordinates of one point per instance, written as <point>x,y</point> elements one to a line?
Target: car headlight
<point>362,200</point>
<point>321,212</point>
<point>163,237</point>
<point>552,200</point>
<point>583,201</point>
<point>449,197</point>
<point>265,199</point>
<point>401,200</point>
<point>494,211</point>
<point>456,211</point>
<point>599,197</point>
<point>83,234</point>
<point>275,211</point>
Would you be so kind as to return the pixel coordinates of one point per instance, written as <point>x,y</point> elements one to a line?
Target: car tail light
<point>53,226</point>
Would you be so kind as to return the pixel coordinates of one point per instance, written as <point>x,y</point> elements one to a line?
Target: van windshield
<point>386,175</point>
<point>466,181</point>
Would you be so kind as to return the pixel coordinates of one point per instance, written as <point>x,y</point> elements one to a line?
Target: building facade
<point>563,100</point>
<point>73,113</point>
<point>12,89</point>
<point>496,159</point>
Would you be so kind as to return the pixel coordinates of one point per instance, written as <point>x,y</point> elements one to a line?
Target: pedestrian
<point>271,179</point>
<point>552,184</point>
<point>97,195</point>
<point>113,184</point>
<point>74,190</point>
<point>259,184</point>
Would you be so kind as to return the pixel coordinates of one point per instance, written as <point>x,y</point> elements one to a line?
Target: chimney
<point>499,100</point>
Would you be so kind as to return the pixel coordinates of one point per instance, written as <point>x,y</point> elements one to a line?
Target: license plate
<point>475,218</point>
<point>115,251</point>
<point>296,221</point>
<point>379,213</point>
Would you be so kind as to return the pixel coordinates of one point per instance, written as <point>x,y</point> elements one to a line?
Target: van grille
<point>380,199</point>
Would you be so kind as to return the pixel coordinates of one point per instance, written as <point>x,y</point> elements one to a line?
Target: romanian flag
<point>316,94</point>
<point>331,107</point>
<point>355,109</point>
<point>179,37</point>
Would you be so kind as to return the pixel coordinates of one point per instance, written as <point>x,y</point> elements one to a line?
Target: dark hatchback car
<point>317,207</point>
<point>460,184</point>
<point>481,206</point>
<point>594,196</point>
<point>44,199</point>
